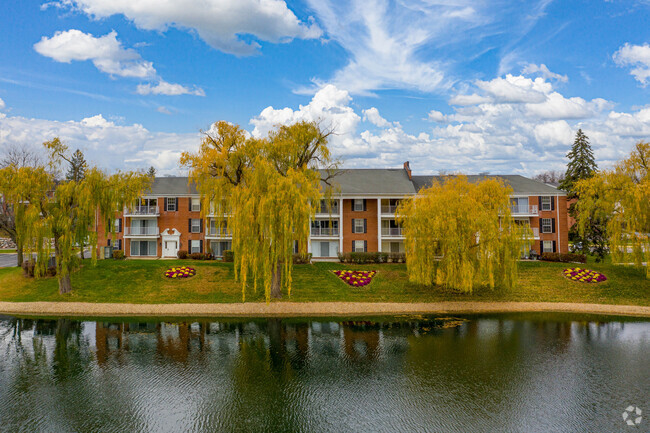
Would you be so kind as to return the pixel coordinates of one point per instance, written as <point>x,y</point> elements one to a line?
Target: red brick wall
<point>561,234</point>
<point>370,214</point>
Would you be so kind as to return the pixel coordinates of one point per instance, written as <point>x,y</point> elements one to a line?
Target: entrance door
<point>170,248</point>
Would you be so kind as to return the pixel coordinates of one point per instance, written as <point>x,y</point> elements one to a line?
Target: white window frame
<point>193,248</point>
<point>358,222</point>
<point>171,204</point>
<point>543,205</point>
<point>196,204</point>
<point>550,246</point>
<point>359,246</point>
<point>196,224</point>
<point>355,202</point>
<point>549,226</point>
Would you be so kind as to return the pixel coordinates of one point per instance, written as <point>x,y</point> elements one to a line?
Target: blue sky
<point>469,86</point>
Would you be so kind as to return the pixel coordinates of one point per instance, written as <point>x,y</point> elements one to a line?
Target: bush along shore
<point>144,281</point>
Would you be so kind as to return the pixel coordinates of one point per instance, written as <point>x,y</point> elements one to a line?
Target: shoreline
<point>310,309</point>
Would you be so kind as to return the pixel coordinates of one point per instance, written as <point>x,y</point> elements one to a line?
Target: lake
<point>493,373</point>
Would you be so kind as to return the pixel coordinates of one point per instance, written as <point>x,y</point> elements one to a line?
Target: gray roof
<point>360,181</point>
<point>520,184</point>
<point>172,186</point>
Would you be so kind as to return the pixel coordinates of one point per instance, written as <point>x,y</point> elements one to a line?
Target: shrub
<point>228,256</point>
<point>564,257</point>
<point>397,257</point>
<point>182,254</point>
<point>51,271</point>
<point>196,256</point>
<point>28,268</point>
<point>362,258</point>
<point>118,255</point>
<point>301,259</point>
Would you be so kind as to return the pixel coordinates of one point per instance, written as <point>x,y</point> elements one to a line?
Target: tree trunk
<point>19,254</point>
<point>81,253</point>
<point>276,282</point>
<point>64,285</point>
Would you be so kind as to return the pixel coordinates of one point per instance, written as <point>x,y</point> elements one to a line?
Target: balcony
<point>535,232</point>
<point>389,209</point>
<point>391,231</point>
<point>214,232</point>
<point>333,211</point>
<point>138,211</point>
<point>141,232</point>
<point>524,210</point>
<point>324,231</point>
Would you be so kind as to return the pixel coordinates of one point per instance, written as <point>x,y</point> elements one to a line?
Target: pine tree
<point>78,166</point>
<point>152,172</point>
<point>581,163</point>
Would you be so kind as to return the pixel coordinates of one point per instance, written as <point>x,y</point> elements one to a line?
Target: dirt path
<point>301,309</point>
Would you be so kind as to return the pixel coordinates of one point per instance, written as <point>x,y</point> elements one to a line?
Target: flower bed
<point>356,278</point>
<point>180,272</point>
<point>584,275</point>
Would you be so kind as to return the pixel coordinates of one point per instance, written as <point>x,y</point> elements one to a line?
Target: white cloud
<point>220,23</point>
<point>372,115</point>
<point>637,56</point>
<point>543,70</point>
<point>106,53</point>
<point>109,56</point>
<point>163,110</point>
<point>165,88</point>
<point>2,104</point>
<point>515,89</point>
<point>437,116</point>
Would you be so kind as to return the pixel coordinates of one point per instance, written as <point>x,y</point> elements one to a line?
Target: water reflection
<point>494,373</point>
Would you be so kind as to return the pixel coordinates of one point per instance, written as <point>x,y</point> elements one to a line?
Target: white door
<point>170,248</point>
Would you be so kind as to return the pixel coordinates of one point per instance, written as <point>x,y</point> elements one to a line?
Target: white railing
<point>141,211</point>
<point>391,231</point>
<point>141,231</point>
<point>522,209</point>
<point>391,208</point>
<point>535,232</point>
<point>333,211</point>
<point>324,231</point>
<point>219,232</point>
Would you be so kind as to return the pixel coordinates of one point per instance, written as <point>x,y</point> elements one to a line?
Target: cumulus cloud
<point>2,104</point>
<point>109,56</point>
<point>165,88</point>
<point>436,116</point>
<point>220,23</point>
<point>543,70</point>
<point>106,52</point>
<point>637,56</point>
<point>104,143</point>
<point>372,115</point>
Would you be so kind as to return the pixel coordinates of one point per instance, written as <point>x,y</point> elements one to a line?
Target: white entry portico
<point>171,240</point>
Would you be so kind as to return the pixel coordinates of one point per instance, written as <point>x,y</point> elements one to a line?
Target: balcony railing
<point>141,211</point>
<point>219,232</point>
<point>333,211</point>
<point>391,208</point>
<point>324,231</point>
<point>522,209</point>
<point>535,232</point>
<point>141,231</point>
<point>391,231</point>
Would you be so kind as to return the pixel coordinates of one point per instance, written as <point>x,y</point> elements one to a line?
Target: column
<point>341,225</point>
<point>379,225</point>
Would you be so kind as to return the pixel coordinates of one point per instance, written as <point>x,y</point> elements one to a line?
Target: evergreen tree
<point>152,172</point>
<point>581,163</point>
<point>77,170</point>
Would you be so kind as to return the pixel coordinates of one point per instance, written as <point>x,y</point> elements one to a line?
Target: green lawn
<point>142,281</point>
<point>7,251</point>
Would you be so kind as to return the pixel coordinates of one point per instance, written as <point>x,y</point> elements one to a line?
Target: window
<point>195,226</point>
<point>358,205</point>
<point>519,205</point>
<point>359,246</point>
<point>144,248</point>
<point>358,225</point>
<point>547,246</point>
<point>547,225</point>
<point>218,247</point>
<point>171,204</point>
<point>195,246</point>
<point>195,204</point>
<point>546,203</point>
<point>395,247</point>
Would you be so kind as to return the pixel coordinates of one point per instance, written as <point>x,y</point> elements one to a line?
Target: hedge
<point>564,257</point>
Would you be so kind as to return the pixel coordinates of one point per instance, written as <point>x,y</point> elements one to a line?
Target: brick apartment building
<point>361,216</point>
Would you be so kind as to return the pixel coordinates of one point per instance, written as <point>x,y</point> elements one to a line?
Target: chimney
<point>407,168</point>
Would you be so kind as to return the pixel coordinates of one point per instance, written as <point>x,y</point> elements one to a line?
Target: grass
<point>142,281</point>
<point>7,251</point>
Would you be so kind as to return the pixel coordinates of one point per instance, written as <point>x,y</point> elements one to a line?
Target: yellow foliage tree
<point>268,190</point>
<point>621,197</point>
<point>461,235</point>
<point>62,213</point>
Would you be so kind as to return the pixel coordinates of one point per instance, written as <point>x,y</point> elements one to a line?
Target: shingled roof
<point>167,185</point>
<point>519,184</point>
<point>372,181</point>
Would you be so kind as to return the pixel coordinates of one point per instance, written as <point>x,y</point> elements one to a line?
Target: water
<point>523,373</point>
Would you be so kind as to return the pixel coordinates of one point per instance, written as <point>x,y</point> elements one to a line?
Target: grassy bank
<point>142,281</point>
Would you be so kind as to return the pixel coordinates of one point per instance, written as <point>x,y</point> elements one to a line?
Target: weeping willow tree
<point>461,235</point>
<point>58,215</point>
<point>621,197</point>
<point>268,190</point>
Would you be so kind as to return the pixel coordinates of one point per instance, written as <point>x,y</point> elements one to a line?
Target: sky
<point>451,85</point>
